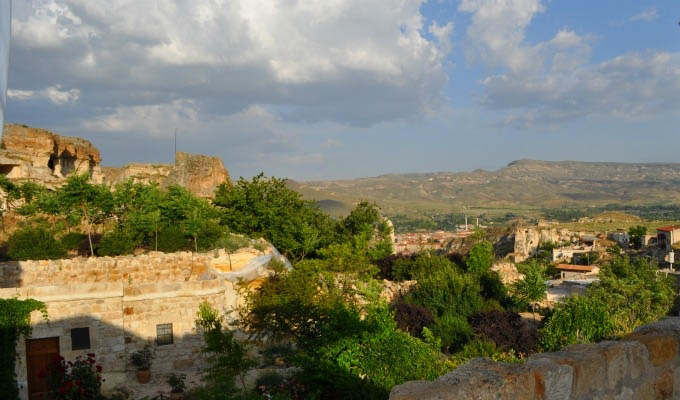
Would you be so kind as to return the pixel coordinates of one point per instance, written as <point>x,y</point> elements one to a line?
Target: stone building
<point>113,306</point>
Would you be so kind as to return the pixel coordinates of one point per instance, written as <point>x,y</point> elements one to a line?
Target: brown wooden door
<point>40,353</point>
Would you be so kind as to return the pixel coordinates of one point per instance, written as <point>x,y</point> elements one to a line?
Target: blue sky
<point>350,88</point>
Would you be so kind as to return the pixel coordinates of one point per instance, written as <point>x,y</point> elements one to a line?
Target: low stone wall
<point>145,268</point>
<point>644,365</point>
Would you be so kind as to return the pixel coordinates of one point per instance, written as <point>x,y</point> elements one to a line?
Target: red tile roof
<point>668,228</point>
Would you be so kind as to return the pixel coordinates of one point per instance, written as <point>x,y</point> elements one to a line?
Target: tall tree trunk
<point>196,242</point>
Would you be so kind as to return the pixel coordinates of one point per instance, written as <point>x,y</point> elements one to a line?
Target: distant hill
<point>523,184</point>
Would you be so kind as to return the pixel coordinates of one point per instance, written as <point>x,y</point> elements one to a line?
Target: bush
<point>446,290</point>
<point>453,330</point>
<point>75,380</point>
<point>412,318</point>
<point>117,243</point>
<point>577,320</point>
<point>409,268</point>
<point>507,329</point>
<point>172,239</point>
<point>34,244</point>
<point>72,240</point>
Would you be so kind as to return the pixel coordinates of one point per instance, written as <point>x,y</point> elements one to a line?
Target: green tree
<point>635,233</point>
<point>480,258</point>
<point>10,195</point>
<point>91,204</point>
<point>532,288</point>
<point>267,207</point>
<point>227,357</point>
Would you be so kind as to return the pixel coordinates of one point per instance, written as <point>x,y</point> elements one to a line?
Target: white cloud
<point>55,94</point>
<point>555,81</point>
<point>647,15</point>
<point>357,62</point>
<point>497,32</point>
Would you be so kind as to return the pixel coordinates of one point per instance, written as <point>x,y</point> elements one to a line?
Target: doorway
<point>40,353</point>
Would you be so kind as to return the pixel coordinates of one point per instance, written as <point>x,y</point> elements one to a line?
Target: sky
<point>330,89</point>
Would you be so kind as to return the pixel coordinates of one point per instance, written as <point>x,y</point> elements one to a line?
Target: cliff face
<point>48,158</point>
<point>199,173</point>
<point>37,154</point>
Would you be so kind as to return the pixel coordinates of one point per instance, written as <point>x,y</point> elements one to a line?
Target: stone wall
<point>644,365</point>
<point>123,299</point>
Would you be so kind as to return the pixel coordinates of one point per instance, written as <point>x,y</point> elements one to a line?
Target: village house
<point>113,306</point>
<point>571,271</point>
<point>668,236</point>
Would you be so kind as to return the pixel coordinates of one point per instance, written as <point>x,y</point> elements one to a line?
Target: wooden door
<point>40,353</point>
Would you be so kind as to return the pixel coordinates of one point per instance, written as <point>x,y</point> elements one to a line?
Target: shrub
<point>72,240</point>
<point>577,320</point>
<point>480,257</point>
<point>424,263</point>
<point>172,239</point>
<point>34,244</point>
<point>75,380</point>
<point>507,329</point>
<point>142,359</point>
<point>453,330</point>
<point>412,318</point>
<point>176,382</point>
<point>117,243</point>
<point>445,290</point>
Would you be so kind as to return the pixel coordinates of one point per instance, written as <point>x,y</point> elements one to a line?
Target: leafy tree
<point>10,195</point>
<point>532,288</point>
<point>636,233</point>
<point>89,203</point>
<point>480,258</point>
<point>267,207</point>
<point>227,357</point>
<point>633,292</point>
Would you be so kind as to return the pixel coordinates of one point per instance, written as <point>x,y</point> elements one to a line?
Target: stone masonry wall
<point>644,365</point>
<point>123,299</point>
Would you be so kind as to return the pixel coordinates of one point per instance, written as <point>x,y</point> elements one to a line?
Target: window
<point>163,334</point>
<point>80,338</point>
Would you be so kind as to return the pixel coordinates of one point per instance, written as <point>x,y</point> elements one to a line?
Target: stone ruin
<point>38,155</point>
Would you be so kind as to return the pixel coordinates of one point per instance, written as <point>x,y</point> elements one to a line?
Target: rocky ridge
<point>33,154</point>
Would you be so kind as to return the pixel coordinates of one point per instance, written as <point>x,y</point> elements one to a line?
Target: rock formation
<point>199,173</point>
<point>37,154</point>
<point>47,158</point>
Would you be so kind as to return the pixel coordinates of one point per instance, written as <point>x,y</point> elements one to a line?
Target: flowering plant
<point>75,380</point>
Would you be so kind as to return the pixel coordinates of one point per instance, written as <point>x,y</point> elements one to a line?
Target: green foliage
<point>633,292</point>
<point>630,293</point>
<point>532,288</point>
<point>89,203</point>
<point>116,243</point>
<point>172,239</point>
<point>72,240</point>
<point>75,380</point>
<point>484,348</point>
<point>577,320</point>
<point>447,290</point>
<point>176,382</point>
<point>34,243</point>
<point>422,264</point>
<point>142,359</point>
<point>268,207</point>
<point>453,330</point>
<point>14,323</point>
<point>480,258</point>
<point>227,358</point>
<point>635,233</point>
